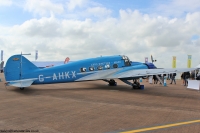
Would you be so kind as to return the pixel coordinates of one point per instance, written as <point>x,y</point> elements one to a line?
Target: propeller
<point>152,60</point>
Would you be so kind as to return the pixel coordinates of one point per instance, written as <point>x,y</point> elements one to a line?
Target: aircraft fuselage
<point>84,68</point>
<point>19,71</point>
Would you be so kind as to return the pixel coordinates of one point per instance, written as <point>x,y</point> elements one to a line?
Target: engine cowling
<point>150,65</point>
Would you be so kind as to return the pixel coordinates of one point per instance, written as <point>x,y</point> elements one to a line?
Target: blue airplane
<point>20,72</point>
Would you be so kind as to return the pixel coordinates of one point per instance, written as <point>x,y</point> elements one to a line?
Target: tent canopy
<point>198,66</point>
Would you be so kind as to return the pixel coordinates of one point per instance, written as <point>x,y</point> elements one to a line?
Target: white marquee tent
<point>198,66</point>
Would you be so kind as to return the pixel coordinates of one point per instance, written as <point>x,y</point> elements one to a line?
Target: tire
<point>21,88</point>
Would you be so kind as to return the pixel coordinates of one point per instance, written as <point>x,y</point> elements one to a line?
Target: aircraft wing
<point>145,72</point>
<point>128,73</point>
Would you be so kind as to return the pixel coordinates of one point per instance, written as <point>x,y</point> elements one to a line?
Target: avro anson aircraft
<point>20,72</point>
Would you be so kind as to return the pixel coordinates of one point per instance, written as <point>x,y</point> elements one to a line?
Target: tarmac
<point>95,107</point>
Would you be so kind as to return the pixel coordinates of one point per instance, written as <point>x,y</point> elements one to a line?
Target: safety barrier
<point>194,84</point>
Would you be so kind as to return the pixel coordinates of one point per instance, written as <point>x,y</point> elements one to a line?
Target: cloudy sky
<point>89,28</point>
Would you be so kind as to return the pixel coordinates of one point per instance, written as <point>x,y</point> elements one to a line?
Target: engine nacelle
<point>150,65</point>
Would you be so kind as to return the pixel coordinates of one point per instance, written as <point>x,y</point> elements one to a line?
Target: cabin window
<point>99,67</point>
<point>107,66</point>
<point>83,69</point>
<point>91,68</point>
<point>115,66</point>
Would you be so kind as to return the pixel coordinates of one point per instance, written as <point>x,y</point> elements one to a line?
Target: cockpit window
<point>126,60</point>
<point>124,57</point>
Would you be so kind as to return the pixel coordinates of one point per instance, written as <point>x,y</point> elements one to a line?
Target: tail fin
<point>16,66</point>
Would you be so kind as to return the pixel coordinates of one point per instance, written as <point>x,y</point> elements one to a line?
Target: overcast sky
<point>89,28</point>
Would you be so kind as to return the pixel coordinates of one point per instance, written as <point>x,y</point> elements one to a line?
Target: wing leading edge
<point>145,72</point>
<point>123,73</point>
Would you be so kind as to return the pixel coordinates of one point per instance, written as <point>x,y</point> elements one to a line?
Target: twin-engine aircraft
<point>20,72</point>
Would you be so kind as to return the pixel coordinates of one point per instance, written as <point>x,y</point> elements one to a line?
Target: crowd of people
<point>161,77</point>
<point>185,76</point>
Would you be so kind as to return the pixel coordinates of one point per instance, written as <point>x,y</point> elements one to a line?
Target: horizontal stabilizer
<point>21,83</point>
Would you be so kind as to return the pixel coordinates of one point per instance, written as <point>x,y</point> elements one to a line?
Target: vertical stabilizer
<point>17,66</point>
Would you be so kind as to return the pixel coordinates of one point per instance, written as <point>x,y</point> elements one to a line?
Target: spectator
<point>173,75</point>
<point>160,78</point>
<point>155,79</point>
<point>182,77</point>
<point>168,76</point>
<point>187,76</point>
<point>1,66</point>
<point>198,76</point>
<point>192,75</point>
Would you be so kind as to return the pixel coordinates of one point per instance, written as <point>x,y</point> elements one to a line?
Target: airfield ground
<point>94,107</point>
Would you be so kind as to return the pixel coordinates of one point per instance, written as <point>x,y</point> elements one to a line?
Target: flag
<point>146,59</point>
<point>189,62</point>
<point>1,55</point>
<point>174,62</point>
<point>36,54</point>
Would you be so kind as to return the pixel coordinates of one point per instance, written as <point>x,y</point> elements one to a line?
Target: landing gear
<point>112,82</point>
<point>21,88</point>
<point>136,84</point>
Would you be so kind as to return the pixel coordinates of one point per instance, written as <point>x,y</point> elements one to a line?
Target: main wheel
<point>112,82</point>
<point>136,86</point>
<point>21,88</point>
